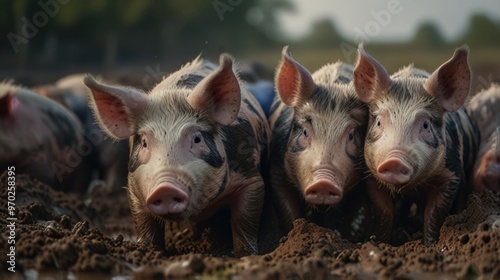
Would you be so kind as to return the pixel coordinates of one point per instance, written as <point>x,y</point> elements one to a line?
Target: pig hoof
<point>394,171</point>
<point>323,192</point>
<point>167,199</point>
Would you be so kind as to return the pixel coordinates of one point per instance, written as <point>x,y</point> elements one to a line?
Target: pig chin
<point>323,189</point>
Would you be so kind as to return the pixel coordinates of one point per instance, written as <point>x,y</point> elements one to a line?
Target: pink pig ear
<point>294,82</point>
<point>218,94</point>
<point>370,76</point>
<point>450,83</point>
<point>116,108</point>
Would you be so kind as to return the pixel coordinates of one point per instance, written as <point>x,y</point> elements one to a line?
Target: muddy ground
<point>61,235</point>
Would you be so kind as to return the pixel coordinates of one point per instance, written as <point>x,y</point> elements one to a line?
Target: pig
<point>196,142</point>
<point>317,131</point>
<point>484,108</point>
<point>41,138</point>
<point>420,141</point>
<point>108,157</point>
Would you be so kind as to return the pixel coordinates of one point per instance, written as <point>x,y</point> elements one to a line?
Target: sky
<point>393,20</point>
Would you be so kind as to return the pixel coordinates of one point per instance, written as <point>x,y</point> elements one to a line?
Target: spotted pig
<point>484,108</point>
<point>41,138</point>
<point>196,142</point>
<point>108,157</point>
<point>318,125</point>
<point>420,140</point>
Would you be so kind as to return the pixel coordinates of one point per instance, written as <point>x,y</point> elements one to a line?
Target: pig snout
<point>323,190</point>
<point>167,199</point>
<point>395,170</point>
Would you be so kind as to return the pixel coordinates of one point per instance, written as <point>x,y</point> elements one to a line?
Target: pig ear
<point>450,83</point>
<point>294,82</point>
<point>370,76</point>
<point>219,94</point>
<point>115,107</point>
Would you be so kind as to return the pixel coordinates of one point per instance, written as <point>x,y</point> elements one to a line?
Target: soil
<point>61,235</point>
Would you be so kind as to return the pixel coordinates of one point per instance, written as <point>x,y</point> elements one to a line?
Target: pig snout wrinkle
<point>323,192</point>
<point>167,199</point>
<point>394,171</point>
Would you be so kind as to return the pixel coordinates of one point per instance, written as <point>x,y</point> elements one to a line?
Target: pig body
<point>196,142</point>
<point>420,141</point>
<point>484,108</point>
<point>108,158</point>
<point>318,125</point>
<point>40,137</point>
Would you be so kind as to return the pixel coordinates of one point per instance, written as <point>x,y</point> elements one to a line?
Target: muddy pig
<point>318,125</point>
<point>108,157</point>
<point>420,141</point>
<point>484,108</point>
<point>195,146</point>
<point>40,137</point>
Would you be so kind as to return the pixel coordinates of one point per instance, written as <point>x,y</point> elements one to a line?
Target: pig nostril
<point>157,202</point>
<point>178,200</point>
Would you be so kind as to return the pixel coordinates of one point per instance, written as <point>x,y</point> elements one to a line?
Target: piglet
<point>108,158</point>
<point>196,142</point>
<point>420,140</point>
<point>484,108</point>
<point>318,126</point>
<point>41,138</point>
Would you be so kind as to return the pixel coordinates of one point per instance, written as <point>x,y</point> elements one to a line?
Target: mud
<point>62,235</point>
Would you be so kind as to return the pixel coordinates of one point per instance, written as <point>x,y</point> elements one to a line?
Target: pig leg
<point>286,201</point>
<point>245,217</point>
<point>384,209</point>
<point>438,206</point>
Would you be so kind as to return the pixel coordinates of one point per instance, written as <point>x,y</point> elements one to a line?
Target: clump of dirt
<point>59,232</point>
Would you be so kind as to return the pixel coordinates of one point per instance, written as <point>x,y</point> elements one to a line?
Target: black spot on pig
<point>253,109</point>
<point>213,157</point>
<point>61,128</point>
<point>274,105</point>
<point>239,147</point>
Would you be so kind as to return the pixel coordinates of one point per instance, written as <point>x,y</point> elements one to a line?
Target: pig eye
<point>305,132</point>
<point>197,138</point>
<point>144,142</point>
<point>378,122</point>
<point>351,134</point>
<point>425,125</point>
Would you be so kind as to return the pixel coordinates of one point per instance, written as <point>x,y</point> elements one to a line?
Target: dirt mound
<point>63,233</point>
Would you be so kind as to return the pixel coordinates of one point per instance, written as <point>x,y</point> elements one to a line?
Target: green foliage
<point>428,36</point>
<point>324,34</point>
<point>482,31</point>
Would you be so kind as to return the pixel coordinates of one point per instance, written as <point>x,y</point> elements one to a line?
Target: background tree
<point>482,31</point>
<point>428,36</point>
